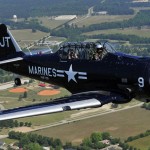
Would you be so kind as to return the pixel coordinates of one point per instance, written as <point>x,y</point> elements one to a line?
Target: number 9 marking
<point>141,82</point>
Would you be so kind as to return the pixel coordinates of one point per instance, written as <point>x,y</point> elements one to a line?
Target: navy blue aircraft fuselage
<point>113,77</point>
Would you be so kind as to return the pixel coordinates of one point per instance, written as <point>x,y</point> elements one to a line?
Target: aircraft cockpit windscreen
<point>108,47</point>
<point>85,50</point>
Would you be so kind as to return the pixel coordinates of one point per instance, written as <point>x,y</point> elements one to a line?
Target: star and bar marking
<point>52,72</point>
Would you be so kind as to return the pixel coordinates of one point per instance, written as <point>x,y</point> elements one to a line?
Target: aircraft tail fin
<point>8,46</point>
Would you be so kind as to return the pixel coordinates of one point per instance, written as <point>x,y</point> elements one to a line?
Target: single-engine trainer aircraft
<point>94,73</point>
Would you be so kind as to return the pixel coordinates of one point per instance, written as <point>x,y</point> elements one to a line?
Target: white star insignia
<point>71,74</point>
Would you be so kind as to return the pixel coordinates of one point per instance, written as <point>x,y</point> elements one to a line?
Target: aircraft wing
<point>77,101</point>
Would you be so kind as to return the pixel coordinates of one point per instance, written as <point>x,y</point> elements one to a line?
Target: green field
<point>119,124</point>
<point>126,31</point>
<point>13,103</point>
<point>46,119</point>
<point>54,38</point>
<point>27,34</point>
<point>9,141</point>
<point>10,100</point>
<point>101,19</point>
<point>142,143</point>
<point>4,131</point>
<point>51,24</point>
<point>26,37</point>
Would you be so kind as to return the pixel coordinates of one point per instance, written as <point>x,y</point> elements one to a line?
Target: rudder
<point>8,45</point>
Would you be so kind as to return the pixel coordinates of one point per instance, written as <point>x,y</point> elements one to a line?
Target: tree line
<point>28,8</point>
<point>26,138</point>
<point>115,7</point>
<point>133,39</point>
<point>13,123</point>
<point>137,50</point>
<point>88,143</point>
<point>92,142</point>
<point>146,106</point>
<point>5,76</point>
<point>132,138</point>
<point>120,7</point>
<point>33,24</point>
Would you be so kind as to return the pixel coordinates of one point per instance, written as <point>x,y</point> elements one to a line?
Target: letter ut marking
<point>5,42</point>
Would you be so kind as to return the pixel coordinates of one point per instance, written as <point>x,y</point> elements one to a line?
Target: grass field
<point>26,37</point>
<point>119,124</point>
<point>10,100</point>
<point>9,141</point>
<point>126,31</point>
<point>27,34</point>
<point>51,24</point>
<point>142,143</point>
<point>102,18</point>
<point>54,38</point>
<point>47,119</point>
<point>4,131</point>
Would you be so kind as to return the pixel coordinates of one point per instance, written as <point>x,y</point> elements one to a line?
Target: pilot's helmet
<point>99,47</point>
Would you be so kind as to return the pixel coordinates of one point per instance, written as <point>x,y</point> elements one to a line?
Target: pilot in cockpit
<point>99,52</point>
<point>72,54</point>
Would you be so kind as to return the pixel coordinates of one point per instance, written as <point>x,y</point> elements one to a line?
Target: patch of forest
<point>115,7</point>
<point>30,8</point>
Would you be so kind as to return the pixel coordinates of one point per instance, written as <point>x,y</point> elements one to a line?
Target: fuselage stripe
<point>82,73</point>
<point>81,77</point>
<point>60,75</point>
<point>11,60</point>
<point>60,71</point>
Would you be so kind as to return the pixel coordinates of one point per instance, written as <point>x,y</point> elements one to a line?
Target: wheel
<point>17,82</point>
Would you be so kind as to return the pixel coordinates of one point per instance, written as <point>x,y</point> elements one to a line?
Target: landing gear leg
<point>17,81</point>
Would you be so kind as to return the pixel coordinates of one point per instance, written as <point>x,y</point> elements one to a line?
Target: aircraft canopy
<point>83,50</point>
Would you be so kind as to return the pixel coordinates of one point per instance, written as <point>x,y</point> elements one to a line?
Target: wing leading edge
<point>73,102</point>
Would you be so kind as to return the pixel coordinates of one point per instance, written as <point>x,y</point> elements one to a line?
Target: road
<point>90,11</point>
<point>6,85</point>
<point>3,136</point>
<point>36,42</point>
